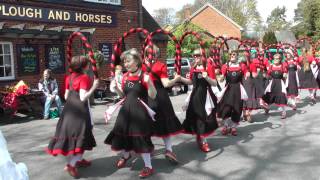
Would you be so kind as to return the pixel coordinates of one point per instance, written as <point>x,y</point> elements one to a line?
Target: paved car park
<point>269,148</point>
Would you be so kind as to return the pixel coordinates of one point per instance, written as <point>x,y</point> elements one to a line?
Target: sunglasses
<point>233,54</point>
<point>196,55</point>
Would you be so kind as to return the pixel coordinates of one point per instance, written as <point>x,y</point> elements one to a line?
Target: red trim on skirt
<point>282,105</point>
<point>309,88</point>
<point>56,152</point>
<point>292,96</point>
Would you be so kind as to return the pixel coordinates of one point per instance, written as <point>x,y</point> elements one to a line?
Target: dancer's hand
<point>147,79</point>
<point>205,75</point>
<point>95,83</point>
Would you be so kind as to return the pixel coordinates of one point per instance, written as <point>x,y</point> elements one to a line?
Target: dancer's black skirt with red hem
<point>133,128</point>
<point>292,89</point>
<point>167,123</point>
<point>307,80</point>
<point>197,121</point>
<point>74,129</point>
<point>252,102</point>
<point>276,96</point>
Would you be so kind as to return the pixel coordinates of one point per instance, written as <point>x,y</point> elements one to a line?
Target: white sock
<point>311,93</point>
<point>75,159</point>
<point>233,124</point>
<point>146,159</point>
<point>125,154</point>
<point>227,123</point>
<point>168,143</point>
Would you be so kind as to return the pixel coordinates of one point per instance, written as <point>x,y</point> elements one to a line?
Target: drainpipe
<point>140,13</point>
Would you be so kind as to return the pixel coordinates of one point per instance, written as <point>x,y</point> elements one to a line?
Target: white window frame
<point>105,1</point>
<point>12,62</point>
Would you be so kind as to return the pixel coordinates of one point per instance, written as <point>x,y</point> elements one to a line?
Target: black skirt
<point>74,130</point>
<point>197,121</point>
<point>133,128</point>
<point>167,123</point>
<point>292,89</point>
<point>231,104</point>
<point>252,102</point>
<point>276,96</point>
<point>260,84</point>
<point>307,80</point>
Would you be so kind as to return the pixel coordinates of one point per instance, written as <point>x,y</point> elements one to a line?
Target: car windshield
<point>170,63</point>
<point>184,62</point>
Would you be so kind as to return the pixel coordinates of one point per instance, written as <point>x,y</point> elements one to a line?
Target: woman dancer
<point>252,102</point>
<point>292,82</point>
<point>307,74</point>
<point>232,96</point>
<point>201,104</point>
<point>73,133</point>
<point>134,125</point>
<point>275,92</point>
<point>167,124</point>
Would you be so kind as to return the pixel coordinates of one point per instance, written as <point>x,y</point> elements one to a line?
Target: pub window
<point>113,2</point>
<point>6,61</point>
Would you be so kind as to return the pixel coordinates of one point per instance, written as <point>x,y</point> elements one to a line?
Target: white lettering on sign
<point>47,15</point>
<point>21,11</point>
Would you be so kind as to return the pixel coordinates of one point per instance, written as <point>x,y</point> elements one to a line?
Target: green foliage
<point>269,38</point>
<point>190,43</point>
<point>98,56</point>
<point>308,14</point>
<point>277,19</point>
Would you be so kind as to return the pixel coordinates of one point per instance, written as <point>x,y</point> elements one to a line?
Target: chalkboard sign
<point>28,59</point>
<point>106,49</point>
<point>55,59</point>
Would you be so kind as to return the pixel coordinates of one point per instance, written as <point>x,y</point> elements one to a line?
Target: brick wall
<point>130,10</point>
<point>215,23</point>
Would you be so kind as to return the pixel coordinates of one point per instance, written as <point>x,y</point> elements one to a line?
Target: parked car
<point>185,69</point>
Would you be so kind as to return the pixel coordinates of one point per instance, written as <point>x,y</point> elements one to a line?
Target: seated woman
<point>48,85</point>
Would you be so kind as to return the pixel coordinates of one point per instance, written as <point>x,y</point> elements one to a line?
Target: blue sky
<point>264,6</point>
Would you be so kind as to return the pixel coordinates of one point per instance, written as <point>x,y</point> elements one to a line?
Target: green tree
<point>190,43</point>
<point>269,38</point>
<point>277,19</point>
<point>307,18</point>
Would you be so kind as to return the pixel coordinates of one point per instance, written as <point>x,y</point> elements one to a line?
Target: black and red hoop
<point>177,45</point>
<point>215,48</point>
<point>87,45</point>
<point>276,46</point>
<point>117,46</point>
<point>247,49</point>
<point>291,47</point>
<point>201,43</point>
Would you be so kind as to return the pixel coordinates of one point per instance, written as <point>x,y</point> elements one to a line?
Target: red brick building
<point>215,22</point>
<point>34,33</point>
